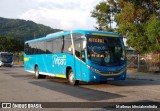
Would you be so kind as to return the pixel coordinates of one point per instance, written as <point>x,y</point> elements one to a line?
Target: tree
<point>13,33</point>
<point>139,21</point>
<point>23,30</point>
<point>103,13</point>
<point>11,44</point>
<point>135,21</point>
<point>2,44</point>
<point>153,33</point>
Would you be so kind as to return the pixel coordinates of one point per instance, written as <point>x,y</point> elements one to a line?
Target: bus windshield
<point>105,51</point>
<point>6,57</point>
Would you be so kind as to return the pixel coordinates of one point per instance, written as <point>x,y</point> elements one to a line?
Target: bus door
<point>79,44</point>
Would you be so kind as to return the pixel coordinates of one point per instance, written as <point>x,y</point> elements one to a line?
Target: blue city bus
<point>6,59</point>
<point>77,55</point>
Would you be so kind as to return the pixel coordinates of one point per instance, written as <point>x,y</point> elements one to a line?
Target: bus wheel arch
<point>67,71</point>
<point>70,76</point>
<point>35,67</point>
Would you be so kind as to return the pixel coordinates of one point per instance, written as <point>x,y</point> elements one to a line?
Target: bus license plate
<point>110,79</point>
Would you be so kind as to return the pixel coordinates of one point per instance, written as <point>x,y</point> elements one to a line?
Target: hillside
<point>22,29</point>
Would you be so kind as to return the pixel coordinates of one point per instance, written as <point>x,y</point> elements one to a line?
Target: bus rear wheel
<point>39,76</point>
<point>71,79</point>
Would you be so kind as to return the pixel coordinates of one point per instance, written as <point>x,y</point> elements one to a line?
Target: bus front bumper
<point>98,77</point>
<point>5,64</point>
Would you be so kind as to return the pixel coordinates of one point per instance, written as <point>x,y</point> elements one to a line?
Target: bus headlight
<point>93,69</point>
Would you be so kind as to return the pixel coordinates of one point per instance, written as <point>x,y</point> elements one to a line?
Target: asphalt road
<point>16,85</point>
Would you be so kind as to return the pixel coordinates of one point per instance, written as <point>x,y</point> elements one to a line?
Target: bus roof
<point>61,33</point>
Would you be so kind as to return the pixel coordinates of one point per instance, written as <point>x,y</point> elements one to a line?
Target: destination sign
<point>96,40</point>
<point>97,55</point>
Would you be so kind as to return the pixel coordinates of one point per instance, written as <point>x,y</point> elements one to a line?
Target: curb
<point>18,65</point>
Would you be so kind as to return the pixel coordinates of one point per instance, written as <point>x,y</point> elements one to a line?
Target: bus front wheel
<point>71,79</point>
<point>38,76</point>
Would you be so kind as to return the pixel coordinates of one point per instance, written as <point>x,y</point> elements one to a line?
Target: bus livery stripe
<point>49,74</point>
<point>60,75</point>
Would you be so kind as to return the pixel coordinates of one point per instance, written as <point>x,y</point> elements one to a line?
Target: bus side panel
<point>41,62</point>
<point>29,62</point>
<point>60,64</point>
<point>81,71</point>
<point>49,63</point>
<point>44,62</point>
<point>85,73</point>
<point>78,69</point>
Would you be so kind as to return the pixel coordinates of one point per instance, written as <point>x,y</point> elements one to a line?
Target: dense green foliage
<point>10,45</point>
<point>13,33</point>
<point>22,29</point>
<point>102,13</point>
<point>138,20</point>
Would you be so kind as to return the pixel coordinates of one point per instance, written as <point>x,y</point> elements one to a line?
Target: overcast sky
<point>61,14</point>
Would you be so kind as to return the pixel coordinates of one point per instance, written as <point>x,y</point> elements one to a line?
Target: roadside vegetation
<point>137,20</point>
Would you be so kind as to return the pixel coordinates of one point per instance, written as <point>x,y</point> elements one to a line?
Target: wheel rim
<point>37,72</point>
<point>71,77</point>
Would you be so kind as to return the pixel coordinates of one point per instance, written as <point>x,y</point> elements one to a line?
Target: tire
<point>39,76</point>
<point>71,79</point>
